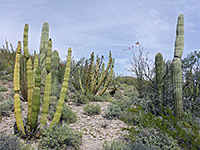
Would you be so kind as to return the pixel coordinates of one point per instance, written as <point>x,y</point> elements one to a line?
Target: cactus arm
<point>104,74</point>
<point>46,100</point>
<point>17,108</point>
<point>91,71</point>
<point>159,72</point>
<point>25,42</point>
<point>107,82</point>
<point>18,114</point>
<point>43,53</point>
<point>64,88</point>
<point>54,72</point>
<point>36,99</point>
<point>47,92</point>
<point>80,82</point>
<point>30,88</point>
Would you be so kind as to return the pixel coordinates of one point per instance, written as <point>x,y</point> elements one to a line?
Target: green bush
<point>60,138</point>
<point>184,130</point>
<point>9,142</point>
<point>115,145</point>
<point>68,115</point>
<point>150,137</point>
<point>121,145</point>
<point>113,111</point>
<point>6,107</point>
<point>1,97</point>
<point>91,109</point>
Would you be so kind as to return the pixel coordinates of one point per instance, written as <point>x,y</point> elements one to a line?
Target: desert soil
<point>96,129</point>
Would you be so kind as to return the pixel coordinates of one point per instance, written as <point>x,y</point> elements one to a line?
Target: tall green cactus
<point>176,65</point>
<point>159,72</point>
<point>43,52</point>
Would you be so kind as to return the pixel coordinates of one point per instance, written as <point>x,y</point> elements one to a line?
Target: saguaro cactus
<point>159,72</point>
<point>176,66</point>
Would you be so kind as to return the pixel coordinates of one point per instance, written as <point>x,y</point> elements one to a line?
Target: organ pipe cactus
<point>34,94</point>
<point>159,72</point>
<point>176,66</point>
<point>96,75</point>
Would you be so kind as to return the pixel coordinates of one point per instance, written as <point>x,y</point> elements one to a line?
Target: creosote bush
<point>60,138</point>
<point>91,109</point>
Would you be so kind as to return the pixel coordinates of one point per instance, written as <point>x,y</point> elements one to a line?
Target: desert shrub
<point>3,89</point>
<point>125,145</point>
<point>60,137</point>
<point>80,98</point>
<point>9,142</point>
<point>113,111</point>
<point>6,107</point>
<point>68,115</point>
<point>150,137</point>
<point>184,130</point>
<point>91,109</point>
<point>115,145</point>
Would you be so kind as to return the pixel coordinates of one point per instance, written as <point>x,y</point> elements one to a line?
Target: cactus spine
<point>17,108</point>
<point>159,72</point>
<point>176,66</point>
<point>63,91</point>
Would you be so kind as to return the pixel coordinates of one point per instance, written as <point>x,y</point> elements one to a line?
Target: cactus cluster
<point>34,83</point>
<point>96,75</point>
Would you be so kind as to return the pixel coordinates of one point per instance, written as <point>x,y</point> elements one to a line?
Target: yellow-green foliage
<point>63,91</point>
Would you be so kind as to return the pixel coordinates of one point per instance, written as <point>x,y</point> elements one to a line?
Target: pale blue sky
<point>102,25</point>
